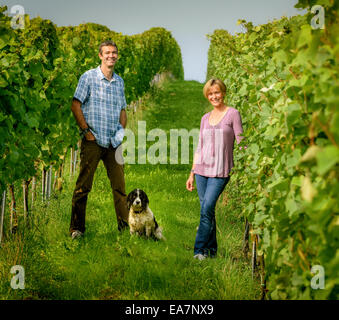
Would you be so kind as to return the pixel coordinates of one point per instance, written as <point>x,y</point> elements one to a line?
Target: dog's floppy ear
<point>130,199</point>
<point>144,198</point>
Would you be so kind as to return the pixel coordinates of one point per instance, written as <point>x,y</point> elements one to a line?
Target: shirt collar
<point>102,76</point>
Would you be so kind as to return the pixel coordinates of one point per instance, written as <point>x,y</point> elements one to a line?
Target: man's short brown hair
<point>107,43</point>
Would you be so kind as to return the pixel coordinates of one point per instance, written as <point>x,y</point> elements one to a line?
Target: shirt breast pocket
<point>98,96</point>
<point>117,98</point>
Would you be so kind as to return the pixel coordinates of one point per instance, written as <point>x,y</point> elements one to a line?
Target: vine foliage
<point>39,69</point>
<point>283,77</point>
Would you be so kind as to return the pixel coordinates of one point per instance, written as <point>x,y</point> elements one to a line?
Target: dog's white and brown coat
<point>141,219</point>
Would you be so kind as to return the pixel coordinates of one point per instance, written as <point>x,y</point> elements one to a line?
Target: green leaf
<point>327,159</point>
<point>294,158</point>
<point>243,90</point>
<point>291,206</point>
<point>254,149</point>
<point>297,181</point>
<point>76,42</point>
<point>31,121</point>
<point>3,82</point>
<point>271,132</point>
<point>334,124</point>
<point>280,184</point>
<point>310,153</point>
<point>305,36</point>
<point>259,218</point>
<point>308,192</point>
<point>280,57</point>
<point>293,114</point>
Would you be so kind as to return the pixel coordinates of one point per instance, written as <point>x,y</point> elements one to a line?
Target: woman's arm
<point>196,159</point>
<point>237,127</point>
<point>190,180</point>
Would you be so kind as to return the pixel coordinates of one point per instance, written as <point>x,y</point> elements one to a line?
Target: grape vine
<point>39,69</point>
<point>283,77</point>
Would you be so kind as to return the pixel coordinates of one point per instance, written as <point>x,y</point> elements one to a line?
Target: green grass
<point>106,264</point>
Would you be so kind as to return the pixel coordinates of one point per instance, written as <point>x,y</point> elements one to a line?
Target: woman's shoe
<point>199,256</point>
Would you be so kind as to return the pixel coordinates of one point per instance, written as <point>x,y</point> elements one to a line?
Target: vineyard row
<point>283,77</point>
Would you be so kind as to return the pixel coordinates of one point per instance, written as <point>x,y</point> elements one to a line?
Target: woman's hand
<point>190,182</point>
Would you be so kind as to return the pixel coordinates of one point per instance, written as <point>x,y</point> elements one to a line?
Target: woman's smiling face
<point>215,96</point>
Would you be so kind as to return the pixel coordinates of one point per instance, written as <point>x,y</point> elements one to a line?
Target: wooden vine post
<point>25,187</point>
<point>14,218</point>
<point>33,191</point>
<point>2,214</point>
<point>71,163</point>
<point>48,183</point>
<point>60,174</point>
<point>43,184</point>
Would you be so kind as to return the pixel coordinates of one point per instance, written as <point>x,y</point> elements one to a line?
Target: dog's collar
<point>137,211</point>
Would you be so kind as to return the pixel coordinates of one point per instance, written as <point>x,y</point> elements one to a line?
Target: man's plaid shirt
<point>102,102</point>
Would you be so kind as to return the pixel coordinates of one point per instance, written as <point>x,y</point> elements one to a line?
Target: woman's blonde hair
<point>211,83</point>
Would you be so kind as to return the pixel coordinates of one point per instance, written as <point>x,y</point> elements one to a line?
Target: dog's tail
<point>158,232</point>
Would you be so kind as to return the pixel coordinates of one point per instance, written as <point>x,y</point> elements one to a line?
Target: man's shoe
<point>76,234</point>
<point>200,257</point>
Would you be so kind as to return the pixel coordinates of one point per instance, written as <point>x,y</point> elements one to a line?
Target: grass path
<point>106,264</point>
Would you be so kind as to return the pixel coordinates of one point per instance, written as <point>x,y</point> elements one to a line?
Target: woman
<point>213,161</point>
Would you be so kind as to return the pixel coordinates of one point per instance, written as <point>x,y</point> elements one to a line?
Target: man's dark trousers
<point>90,155</point>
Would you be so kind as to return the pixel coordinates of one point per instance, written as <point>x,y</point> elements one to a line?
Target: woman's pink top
<point>214,154</point>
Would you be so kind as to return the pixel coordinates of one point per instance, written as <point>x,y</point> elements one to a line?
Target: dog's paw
<point>158,234</point>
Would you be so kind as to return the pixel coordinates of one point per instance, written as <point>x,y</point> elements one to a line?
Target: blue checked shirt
<point>102,101</point>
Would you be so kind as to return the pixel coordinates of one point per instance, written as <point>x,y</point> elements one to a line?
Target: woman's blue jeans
<point>209,190</point>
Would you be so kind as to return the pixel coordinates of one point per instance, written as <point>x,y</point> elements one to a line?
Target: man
<point>99,108</point>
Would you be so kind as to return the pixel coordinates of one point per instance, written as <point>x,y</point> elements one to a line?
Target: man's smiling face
<point>108,56</point>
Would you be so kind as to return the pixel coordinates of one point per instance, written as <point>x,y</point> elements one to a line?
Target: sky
<point>189,21</point>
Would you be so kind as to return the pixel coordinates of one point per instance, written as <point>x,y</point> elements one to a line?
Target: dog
<point>141,219</point>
